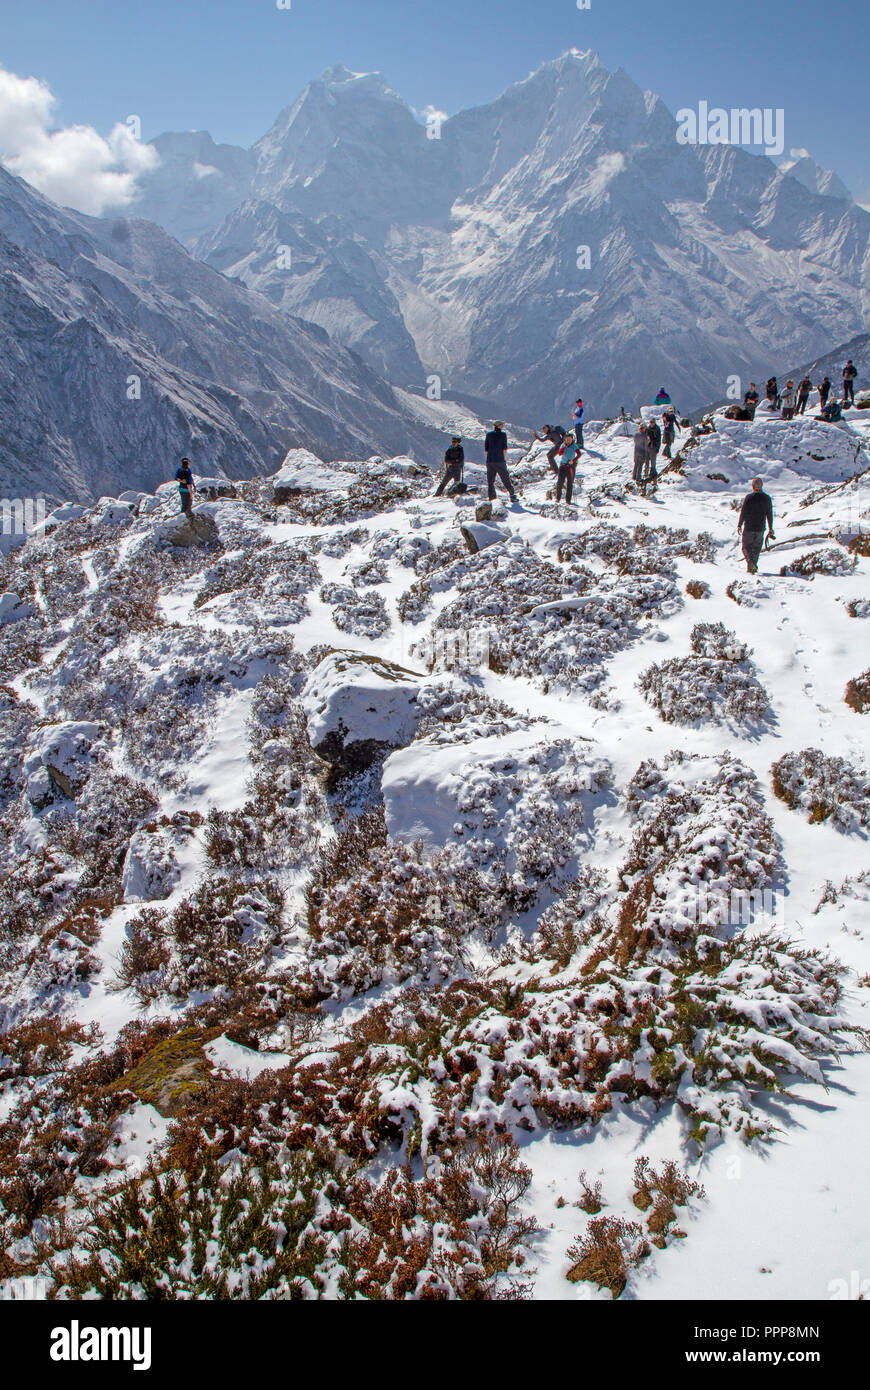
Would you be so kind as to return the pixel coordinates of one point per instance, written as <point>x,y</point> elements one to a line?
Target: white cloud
<point>76,167</point>
<point>798,153</point>
<point>204,171</point>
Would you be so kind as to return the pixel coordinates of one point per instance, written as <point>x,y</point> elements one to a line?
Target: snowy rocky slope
<point>385,918</point>
<point>460,255</point>
<point>119,352</point>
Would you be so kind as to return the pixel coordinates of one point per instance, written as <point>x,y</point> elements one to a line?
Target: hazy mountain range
<point>458,255</point>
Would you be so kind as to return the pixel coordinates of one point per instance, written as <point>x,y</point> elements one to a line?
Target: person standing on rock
<point>662,398</point>
<point>555,436</point>
<point>567,465</point>
<point>805,386</point>
<point>186,487</point>
<point>788,401</point>
<point>824,389</point>
<point>577,423</point>
<point>641,456</point>
<point>772,393</point>
<point>756,514</point>
<point>495,446</point>
<point>454,462</point>
<point>849,374</point>
<point>669,429</point>
<point>750,400</point>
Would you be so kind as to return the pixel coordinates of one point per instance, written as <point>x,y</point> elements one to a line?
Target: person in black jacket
<point>495,446</point>
<point>849,374</point>
<point>750,400</point>
<point>805,386</point>
<point>772,392</point>
<point>824,391</point>
<point>186,487</point>
<point>654,437</point>
<point>555,435</point>
<point>755,514</point>
<point>454,460</point>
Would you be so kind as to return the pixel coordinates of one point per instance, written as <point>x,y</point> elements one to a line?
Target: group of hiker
<point>793,400</point>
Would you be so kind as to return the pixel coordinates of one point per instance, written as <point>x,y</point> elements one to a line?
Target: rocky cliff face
<point>119,352</point>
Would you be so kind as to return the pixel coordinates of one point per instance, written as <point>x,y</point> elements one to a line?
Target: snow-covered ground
<point>564,746</point>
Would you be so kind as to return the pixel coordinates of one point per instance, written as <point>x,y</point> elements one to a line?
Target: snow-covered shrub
<point>545,620</point>
<point>369,573</point>
<point>858,608</point>
<point>336,544</point>
<point>269,583</point>
<point>826,787</point>
<point>717,683</point>
<point>605,1255</point>
<point>697,588</point>
<point>145,956</point>
<point>293,1224</point>
<point>21,646</point>
<point>378,910</point>
<point>828,561</point>
<point>413,605</point>
<point>716,641</point>
<point>17,721</point>
<point>454,713</point>
<point>399,546</point>
<point>222,933</point>
<point>857,695</point>
<point>363,615</point>
<point>516,811</point>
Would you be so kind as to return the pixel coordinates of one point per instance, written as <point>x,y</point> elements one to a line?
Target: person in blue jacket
<point>577,424</point>
<point>567,457</point>
<point>662,398</point>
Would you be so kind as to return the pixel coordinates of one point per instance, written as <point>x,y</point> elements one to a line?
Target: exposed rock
<point>197,529</point>
<point>478,535</point>
<point>358,707</point>
<point>62,756</point>
<point>13,609</point>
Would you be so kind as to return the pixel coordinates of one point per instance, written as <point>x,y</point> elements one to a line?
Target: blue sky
<point>229,66</point>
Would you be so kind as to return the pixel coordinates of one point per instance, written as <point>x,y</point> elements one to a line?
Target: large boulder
<point>151,869</point>
<point>13,609</point>
<point>304,472</point>
<point>480,534</point>
<point>60,757</point>
<point>197,529</point>
<point>359,707</point>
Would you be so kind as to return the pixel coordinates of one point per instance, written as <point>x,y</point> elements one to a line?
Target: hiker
<point>662,398</point>
<point>824,389</point>
<point>577,424</point>
<point>454,460</point>
<point>788,401</point>
<point>772,393</point>
<point>755,514</point>
<point>641,456</point>
<point>805,386</point>
<point>654,435</point>
<point>849,374</point>
<point>750,399</point>
<point>495,446</point>
<point>669,429</point>
<point>831,411</point>
<point>567,465</point>
<point>556,436</point>
<point>186,487</point>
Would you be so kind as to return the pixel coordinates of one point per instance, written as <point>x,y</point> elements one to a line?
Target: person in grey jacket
<point>641,456</point>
